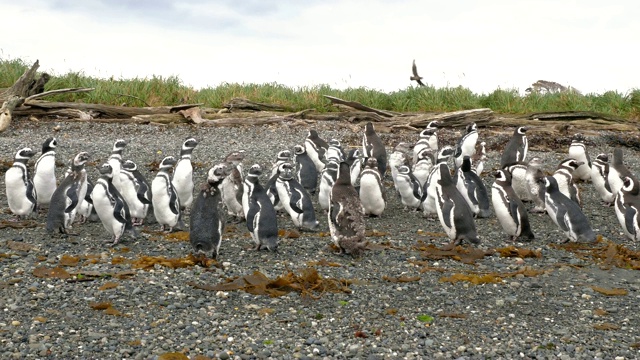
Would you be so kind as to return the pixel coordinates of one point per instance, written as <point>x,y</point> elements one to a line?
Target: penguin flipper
<point>254,208</point>
<point>31,192</point>
<point>630,219</point>
<point>294,200</point>
<point>174,202</point>
<point>141,194</point>
<point>514,210</point>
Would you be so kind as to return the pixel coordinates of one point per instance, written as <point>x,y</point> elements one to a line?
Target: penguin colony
<point>322,178</point>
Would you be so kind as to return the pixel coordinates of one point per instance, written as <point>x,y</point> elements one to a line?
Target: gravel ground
<point>549,314</point>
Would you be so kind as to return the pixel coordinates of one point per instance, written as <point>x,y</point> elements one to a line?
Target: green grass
<point>158,91</point>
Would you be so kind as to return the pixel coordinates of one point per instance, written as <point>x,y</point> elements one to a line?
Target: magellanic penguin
<point>232,186</point>
<point>110,205</point>
<point>86,210</point>
<point>429,195</point>
<point>115,160</point>
<point>535,184</point>
<point>328,177</point>
<point>135,191</point>
<point>334,150</point>
<point>518,173</point>
<point>356,163</point>
<point>372,193</point>
<point>21,194</point>
<point>295,199</point>
<point>283,156</point>
<point>409,188</point>
<point>510,211</point>
<point>478,160</point>
<point>516,149</point>
<point>627,206</point>
<point>182,180</point>
<point>599,179</point>
<point>578,151</point>
<point>617,171</point>
<point>316,148</point>
<point>428,138</point>
<point>564,177</point>
<point>306,174</point>
<point>453,211</point>
<point>346,215</point>
<point>44,174</point>
<point>566,213</point>
<point>399,157</point>
<point>261,215</point>
<point>208,217</point>
<point>68,195</point>
<point>166,204</point>
<point>422,168</point>
<point>472,189</point>
<point>466,144</point>
<point>372,146</point>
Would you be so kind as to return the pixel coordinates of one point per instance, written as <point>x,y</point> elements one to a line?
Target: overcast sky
<point>588,44</point>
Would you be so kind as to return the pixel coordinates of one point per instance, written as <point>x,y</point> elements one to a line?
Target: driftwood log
<point>27,85</point>
<point>45,108</point>
<point>361,107</point>
<point>248,105</point>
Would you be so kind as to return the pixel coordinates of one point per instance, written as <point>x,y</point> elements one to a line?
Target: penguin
<point>254,171</point>
<point>566,213</point>
<point>68,196</point>
<point>111,207</point>
<point>283,156</point>
<point>182,180</point>
<point>478,160</point>
<point>232,185</point>
<point>346,215</point>
<point>295,199</point>
<point>261,215</point>
<point>617,171</point>
<point>533,178</point>
<point>453,211</point>
<point>472,189</point>
<point>306,174</point>
<point>44,174</point>
<point>355,161</point>
<point>372,146</point>
<point>564,178</point>
<point>328,177</point>
<point>516,149</point>
<point>135,191</point>
<point>409,188</point>
<point>627,205</point>
<point>518,173</point>
<point>316,148</point>
<point>422,167</point>
<point>21,193</point>
<point>399,157</point>
<point>115,160</point>
<point>429,204</point>
<point>599,179</point>
<point>207,217</point>
<point>166,204</point>
<point>334,150</point>
<point>466,144</point>
<point>86,211</point>
<point>578,151</point>
<point>428,138</point>
<point>372,193</point>
<point>510,210</point>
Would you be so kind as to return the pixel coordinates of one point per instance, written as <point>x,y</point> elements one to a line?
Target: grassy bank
<point>170,91</point>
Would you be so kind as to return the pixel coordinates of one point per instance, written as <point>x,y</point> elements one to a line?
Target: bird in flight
<point>415,76</point>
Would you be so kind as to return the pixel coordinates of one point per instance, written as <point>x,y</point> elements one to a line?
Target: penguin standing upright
<point>135,191</point>
<point>617,171</point>
<point>372,194</point>
<point>68,195</point>
<point>166,204</point>
<point>328,177</point>
<point>261,215</point>
<point>472,189</point>
<point>466,144</point>
<point>399,157</point>
<point>429,194</point>
<point>518,173</point>
<point>346,215</point>
<point>372,146</point>
<point>110,206</point>
<point>44,174</point>
<point>409,188</point>
<point>208,217</point>
<point>564,177</point>
<point>21,194</point>
<point>533,178</point>
<point>283,156</point>
<point>334,150</point>
<point>516,149</point>
<point>578,151</point>
<point>316,148</point>
<point>356,163</point>
<point>453,211</point>
<point>115,160</point>
<point>627,206</point>
<point>232,186</point>
<point>306,174</point>
<point>599,174</point>
<point>566,213</point>
<point>182,179</point>
<point>422,167</point>
<point>510,211</point>
<point>428,139</point>
<point>295,199</point>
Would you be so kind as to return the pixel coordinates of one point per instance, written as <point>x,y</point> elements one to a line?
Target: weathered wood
<point>573,115</point>
<point>7,110</point>
<point>26,85</point>
<point>54,92</point>
<point>104,111</point>
<point>246,104</point>
<point>358,106</point>
<point>450,119</point>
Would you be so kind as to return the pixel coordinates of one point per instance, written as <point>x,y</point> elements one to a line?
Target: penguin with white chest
<point>599,179</point>
<point>68,196</point>
<point>21,194</point>
<point>516,149</point>
<point>564,176</point>
<point>232,186</point>
<point>578,151</point>
<point>356,163</point>
<point>627,207</point>
<point>466,144</point>
<point>306,174</point>
<point>422,168</point>
<point>44,174</point>
<point>429,195</point>
<point>208,218</point>
<point>566,213</point>
<point>518,173</point>
<point>262,221</point>
<point>346,215</point>
<point>136,191</point>
<point>428,139</point>
<point>182,179</point>
<point>409,188</point>
<point>295,199</point>
<point>166,204</point>
<point>316,148</point>
<point>372,146</point>
<point>328,177</point>
<point>510,210</point>
<point>372,194</point>
<point>617,171</point>
<point>284,156</point>
<point>399,157</point>
<point>472,189</point>
<point>115,160</point>
<point>110,206</point>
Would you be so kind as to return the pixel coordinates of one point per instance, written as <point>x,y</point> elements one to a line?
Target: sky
<point>482,45</point>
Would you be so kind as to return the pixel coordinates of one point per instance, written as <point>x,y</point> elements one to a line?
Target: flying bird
<point>415,76</point>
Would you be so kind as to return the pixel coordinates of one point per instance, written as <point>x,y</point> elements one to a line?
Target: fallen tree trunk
<point>246,104</point>
<point>358,106</point>
<point>26,85</point>
<point>43,108</point>
<point>449,119</point>
<point>574,115</point>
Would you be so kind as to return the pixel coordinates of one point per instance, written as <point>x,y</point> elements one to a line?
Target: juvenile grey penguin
<point>261,215</point>
<point>399,157</point>
<point>306,174</point>
<point>535,184</point>
<point>617,171</point>
<point>295,199</point>
<point>564,177</point>
<point>454,213</point>
<point>115,160</point>
<point>627,205</point>
<point>372,146</point>
<point>67,196</point>
<point>232,186</point>
<point>21,194</point>
<point>328,177</point>
<point>466,144</point>
<point>516,149</point>
<point>566,213</point>
<point>135,191</point>
<point>208,217</point>
<point>44,174</point>
<point>316,148</point>
<point>510,211</point>
<point>346,215</point>
<point>372,193</point>
<point>182,180</point>
<point>111,207</point>
<point>429,195</point>
<point>472,189</point>
<point>599,179</point>
<point>428,138</point>
<point>166,204</point>
<point>422,168</point>
<point>578,151</point>
<point>409,188</point>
